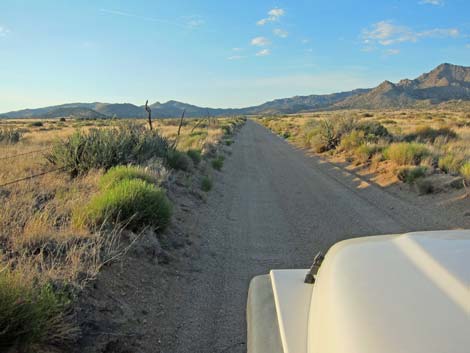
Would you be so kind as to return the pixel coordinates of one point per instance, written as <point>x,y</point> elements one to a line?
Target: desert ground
<point>248,201</point>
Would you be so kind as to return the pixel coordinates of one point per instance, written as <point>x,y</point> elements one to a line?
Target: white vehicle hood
<point>405,293</point>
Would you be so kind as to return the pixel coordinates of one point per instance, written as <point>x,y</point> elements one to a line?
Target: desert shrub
<point>352,140</point>
<point>31,315</point>
<point>429,134</point>
<point>135,203</point>
<point>178,160</point>
<point>424,186</point>
<point>116,174</point>
<point>206,184</point>
<point>218,163</point>
<point>410,174</point>
<point>62,119</point>
<point>450,164</point>
<point>364,152</point>
<point>36,124</point>
<point>228,142</point>
<point>106,148</point>
<point>373,130</point>
<point>10,136</point>
<point>195,156</point>
<point>404,153</point>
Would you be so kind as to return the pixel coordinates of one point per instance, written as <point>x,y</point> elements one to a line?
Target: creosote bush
<point>106,148</point>
<point>465,172</point>
<point>404,153</point>
<point>31,315</point>
<point>135,203</point>
<point>119,173</point>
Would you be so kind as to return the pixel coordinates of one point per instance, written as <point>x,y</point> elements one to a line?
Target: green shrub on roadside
<point>106,148</point>
<point>228,142</point>
<point>195,156</point>
<point>352,140</point>
<point>404,153</point>
<point>365,152</point>
<point>206,184</point>
<point>450,164</point>
<point>218,163</point>
<point>32,316</point>
<point>10,136</point>
<point>135,203</point>
<point>410,174</point>
<point>178,160</point>
<point>119,173</point>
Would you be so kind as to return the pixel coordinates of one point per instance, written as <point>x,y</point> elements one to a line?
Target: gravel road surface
<point>272,207</point>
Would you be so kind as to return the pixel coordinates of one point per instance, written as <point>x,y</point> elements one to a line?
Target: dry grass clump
<point>405,153</point>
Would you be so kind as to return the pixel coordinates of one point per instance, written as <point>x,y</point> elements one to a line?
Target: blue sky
<point>219,53</point>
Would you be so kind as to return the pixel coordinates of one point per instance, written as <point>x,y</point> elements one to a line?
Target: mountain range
<point>445,84</point>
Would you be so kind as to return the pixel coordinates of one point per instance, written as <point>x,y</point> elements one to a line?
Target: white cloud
<point>260,41</point>
<point>432,2</point>
<point>273,16</point>
<point>392,51</point>
<point>194,21</point>
<point>468,46</point>
<point>263,52</point>
<point>387,33</point>
<point>237,49</point>
<point>281,33</point>
<point>235,57</point>
<point>305,41</point>
<point>4,31</point>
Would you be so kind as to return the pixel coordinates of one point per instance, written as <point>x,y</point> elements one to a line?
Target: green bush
<point>228,142</point>
<point>450,164</point>
<point>195,156</point>
<point>410,174</point>
<point>429,134</point>
<point>218,163</point>
<point>404,153</point>
<point>10,136</point>
<point>135,203</point>
<point>206,184</point>
<point>373,130</point>
<point>116,174</point>
<point>178,160</point>
<point>36,124</point>
<point>106,148</point>
<point>31,315</point>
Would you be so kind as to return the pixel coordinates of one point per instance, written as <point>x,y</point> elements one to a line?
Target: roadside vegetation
<point>70,190</point>
<point>429,150</point>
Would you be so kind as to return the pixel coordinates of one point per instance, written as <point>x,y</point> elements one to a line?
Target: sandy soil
<point>272,207</point>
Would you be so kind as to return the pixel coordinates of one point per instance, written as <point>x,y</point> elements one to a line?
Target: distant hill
<point>72,112</point>
<point>446,85</point>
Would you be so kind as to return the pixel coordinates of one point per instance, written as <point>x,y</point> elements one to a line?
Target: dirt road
<point>273,207</point>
